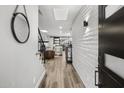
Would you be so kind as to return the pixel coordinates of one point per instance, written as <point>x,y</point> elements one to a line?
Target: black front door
<point>111,42</point>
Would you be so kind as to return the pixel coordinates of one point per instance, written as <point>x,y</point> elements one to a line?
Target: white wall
<point>85,44</point>
<point>19,66</point>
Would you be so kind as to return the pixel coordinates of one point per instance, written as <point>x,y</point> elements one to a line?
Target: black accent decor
<point>13,27</point>
<point>85,23</point>
<point>19,32</point>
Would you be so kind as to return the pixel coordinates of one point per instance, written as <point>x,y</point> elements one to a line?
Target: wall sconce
<point>85,23</point>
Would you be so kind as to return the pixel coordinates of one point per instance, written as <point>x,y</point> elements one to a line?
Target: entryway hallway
<point>59,74</point>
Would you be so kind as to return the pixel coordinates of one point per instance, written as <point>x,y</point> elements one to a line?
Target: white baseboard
<point>40,79</point>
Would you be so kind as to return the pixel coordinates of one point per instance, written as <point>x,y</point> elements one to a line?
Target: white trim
<point>40,79</point>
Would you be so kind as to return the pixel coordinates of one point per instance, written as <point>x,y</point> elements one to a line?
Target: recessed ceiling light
<point>60,27</point>
<point>45,31</point>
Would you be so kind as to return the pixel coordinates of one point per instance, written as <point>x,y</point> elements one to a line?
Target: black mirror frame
<point>13,30</point>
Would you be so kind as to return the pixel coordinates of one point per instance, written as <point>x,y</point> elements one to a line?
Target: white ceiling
<point>48,22</point>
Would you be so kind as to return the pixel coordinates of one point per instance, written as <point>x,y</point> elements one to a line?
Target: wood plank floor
<point>59,74</point>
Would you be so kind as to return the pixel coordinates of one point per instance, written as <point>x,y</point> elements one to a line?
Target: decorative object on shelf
<point>20,26</point>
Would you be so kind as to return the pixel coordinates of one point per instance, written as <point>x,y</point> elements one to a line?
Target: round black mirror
<point>20,27</point>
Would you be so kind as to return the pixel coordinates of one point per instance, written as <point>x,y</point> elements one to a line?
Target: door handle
<point>96,78</point>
